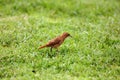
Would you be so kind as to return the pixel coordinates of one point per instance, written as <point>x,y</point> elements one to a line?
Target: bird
<point>56,42</point>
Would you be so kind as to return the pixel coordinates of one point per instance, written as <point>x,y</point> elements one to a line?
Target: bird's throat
<point>63,37</point>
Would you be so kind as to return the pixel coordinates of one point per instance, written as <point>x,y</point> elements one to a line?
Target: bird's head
<point>66,34</point>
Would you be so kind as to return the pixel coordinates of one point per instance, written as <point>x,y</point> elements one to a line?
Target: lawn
<point>93,53</point>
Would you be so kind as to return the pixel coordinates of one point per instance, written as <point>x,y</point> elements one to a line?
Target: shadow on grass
<point>55,53</point>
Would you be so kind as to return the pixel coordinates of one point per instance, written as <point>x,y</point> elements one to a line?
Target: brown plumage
<point>56,42</point>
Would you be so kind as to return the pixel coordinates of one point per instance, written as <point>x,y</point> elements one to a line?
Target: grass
<point>92,54</point>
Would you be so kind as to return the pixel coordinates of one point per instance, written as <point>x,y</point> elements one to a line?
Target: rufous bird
<point>56,42</point>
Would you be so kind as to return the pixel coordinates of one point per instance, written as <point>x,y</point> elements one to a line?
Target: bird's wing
<point>53,42</point>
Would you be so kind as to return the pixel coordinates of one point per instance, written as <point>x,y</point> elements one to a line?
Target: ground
<point>93,53</point>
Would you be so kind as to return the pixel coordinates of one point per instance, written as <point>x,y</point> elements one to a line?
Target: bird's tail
<point>42,47</point>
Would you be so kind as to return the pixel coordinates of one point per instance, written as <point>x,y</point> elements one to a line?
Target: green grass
<point>92,54</point>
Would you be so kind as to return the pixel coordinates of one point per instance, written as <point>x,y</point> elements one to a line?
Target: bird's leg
<point>57,50</point>
<point>51,49</point>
